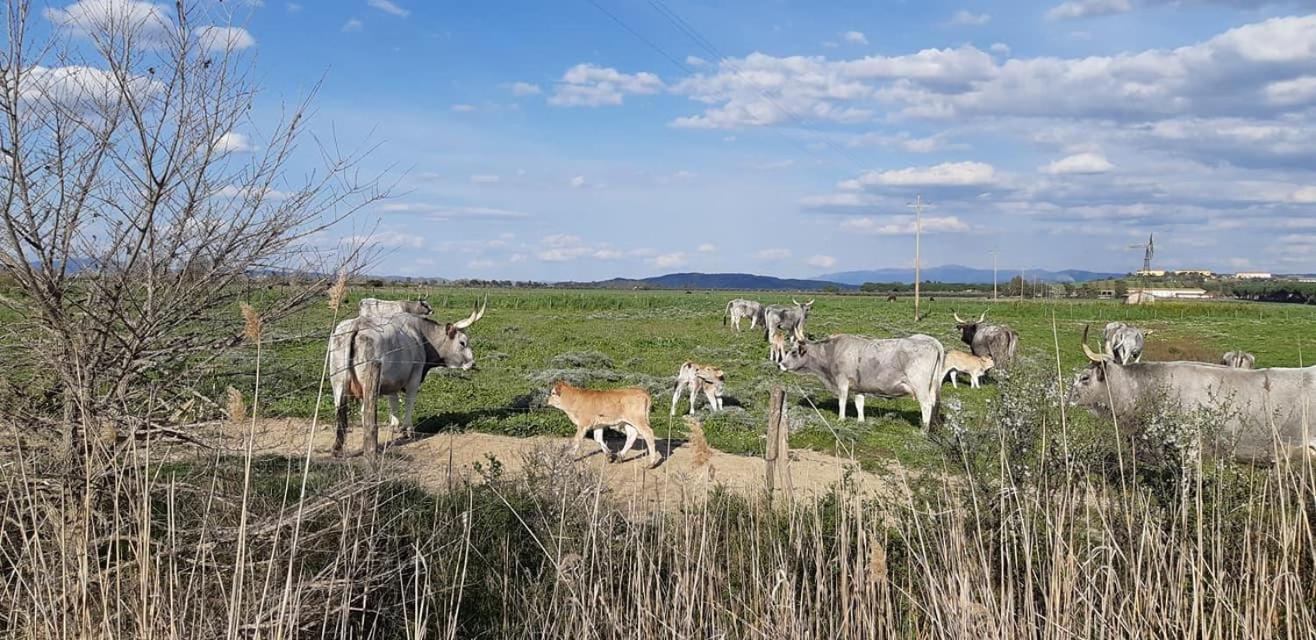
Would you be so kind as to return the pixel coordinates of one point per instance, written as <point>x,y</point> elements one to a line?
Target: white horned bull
<point>373,356</point>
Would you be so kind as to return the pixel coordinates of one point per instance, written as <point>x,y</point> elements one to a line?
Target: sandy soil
<point>436,460</point>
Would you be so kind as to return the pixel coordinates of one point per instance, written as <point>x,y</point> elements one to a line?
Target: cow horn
<point>475,315</point>
<point>1087,351</point>
<point>797,302</point>
<point>810,302</point>
<point>983,316</point>
<point>958,319</point>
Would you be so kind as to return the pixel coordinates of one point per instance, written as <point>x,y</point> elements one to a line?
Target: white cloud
<point>968,18</point>
<point>946,174</point>
<point>695,61</point>
<point>448,212</point>
<point>77,87</point>
<point>607,254</point>
<point>387,6</point>
<point>485,179</point>
<point>707,248</point>
<point>353,25</point>
<point>223,38</point>
<point>481,264</point>
<point>462,108</point>
<point>292,7</point>
<point>1074,9</point>
<point>391,239</point>
<point>146,19</point>
<point>525,89</point>
<point>669,260</point>
<point>1079,163</point>
<point>855,37</point>
<point>773,254</point>
<point>1292,92</point>
<point>822,262</point>
<point>587,85</point>
<point>560,240</point>
<point>999,48</point>
<point>903,225</point>
<point>233,142</point>
<point>577,182</point>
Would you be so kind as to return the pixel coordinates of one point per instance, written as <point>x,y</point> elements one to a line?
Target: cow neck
<point>435,335</point>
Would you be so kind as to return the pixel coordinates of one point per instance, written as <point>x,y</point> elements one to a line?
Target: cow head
<point>454,352</point>
<point>555,394</point>
<point>804,307</point>
<point>795,359</point>
<point>968,328</point>
<point>1089,388</point>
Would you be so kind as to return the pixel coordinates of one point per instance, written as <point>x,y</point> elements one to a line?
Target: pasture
<point>605,338</point>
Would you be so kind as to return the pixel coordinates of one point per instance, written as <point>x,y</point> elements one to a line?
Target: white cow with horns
<point>373,356</point>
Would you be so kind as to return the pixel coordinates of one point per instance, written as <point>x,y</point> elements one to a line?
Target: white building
<point>1169,294</point>
<point>1254,275</point>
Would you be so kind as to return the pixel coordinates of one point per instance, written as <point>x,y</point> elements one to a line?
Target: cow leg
<point>340,434</point>
<point>646,432</point>
<point>598,437</point>
<point>714,402</point>
<point>694,389</point>
<point>974,380</point>
<point>842,396</point>
<point>408,418</point>
<point>676,396</point>
<point>393,421</point>
<point>954,378</point>
<point>859,405</point>
<point>578,438</point>
<point>631,432</point>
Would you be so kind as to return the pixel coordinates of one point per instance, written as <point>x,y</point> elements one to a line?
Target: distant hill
<point>735,281</point>
<point>961,274</point>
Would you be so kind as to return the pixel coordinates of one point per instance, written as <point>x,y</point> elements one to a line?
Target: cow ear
<point>451,330</point>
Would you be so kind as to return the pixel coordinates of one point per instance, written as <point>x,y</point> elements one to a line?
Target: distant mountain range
<point>966,275</point>
<point>736,281</point>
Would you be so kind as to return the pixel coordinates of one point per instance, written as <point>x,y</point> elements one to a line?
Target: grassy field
<point>529,338</point>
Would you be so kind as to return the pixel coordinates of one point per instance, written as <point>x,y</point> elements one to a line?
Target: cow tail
<point>725,313</point>
<point>935,387</point>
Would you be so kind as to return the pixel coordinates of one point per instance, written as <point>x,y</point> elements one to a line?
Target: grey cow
<point>780,317</point>
<point>995,340</point>
<point>888,368</point>
<point>374,356</point>
<point>374,307</point>
<point>1124,343</point>
<point>1264,407</point>
<point>742,308</point>
<point>1239,360</point>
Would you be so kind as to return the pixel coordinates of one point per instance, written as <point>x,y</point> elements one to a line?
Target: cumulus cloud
<point>525,89</point>
<point>588,85</point>
<point>223,38</point>
<point>353,25</point>
<point>899,225</point>
<point>390,239</point>
<point>577,182</point>
<point>233,142</point>
<point>669,260</point>
<point>707,248</point>
<point>968,18</point>
<point>1074,9</point>
<point>147,19</point>
<point>822,262</point>
<point>855,37</point>
<point>773,254</point>
<point>946,174</point>
<point>389,7</point>
<point>695,61</point>
<point>1079,163</point>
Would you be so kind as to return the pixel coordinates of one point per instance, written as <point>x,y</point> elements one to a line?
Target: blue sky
<point>545,140</point>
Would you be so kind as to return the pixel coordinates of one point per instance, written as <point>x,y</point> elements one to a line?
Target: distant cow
<point>780,317</point>
<point>1263,407</point>
<point>959,362</point>
<point>1124,343</point>
<point>891,298</point>
<point>777,347</point>
<point>742,308</point>
<point>888,368</point>
<point>699,378</point>
<point>1239,360</point>
<point>374,307</point>
<point>591,409</point>
<point>382,356</point>
<point>996,340</point>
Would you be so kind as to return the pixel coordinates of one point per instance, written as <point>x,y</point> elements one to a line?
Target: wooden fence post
<point>777,456</point>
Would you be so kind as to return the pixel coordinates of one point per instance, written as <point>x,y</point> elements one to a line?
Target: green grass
<point>646,335</point>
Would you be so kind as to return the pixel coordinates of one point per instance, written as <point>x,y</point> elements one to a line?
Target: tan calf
<point>700,377</point>
<point>975,366</point>
<point>596,409</point>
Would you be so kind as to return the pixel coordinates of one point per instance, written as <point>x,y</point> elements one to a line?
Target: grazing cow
<point>591,409</point>
<point>1123,342</point>
<point>741,308</point>
<point>890,368</point>
<point>780,317</point>
<point>374,307</point>
<point>700,377</point>
<point>1239,360</point>
<point>1263,407</point>
<point>891,298</point>
<point>959,362</point>
<point>374,356</point>
<point>996,340</point>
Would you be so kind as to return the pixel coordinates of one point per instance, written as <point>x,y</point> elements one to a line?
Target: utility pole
<point>918,238</point>
<point>993,275</point>
<point>1022,282</point>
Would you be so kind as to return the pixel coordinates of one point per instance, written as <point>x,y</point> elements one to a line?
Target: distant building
<point>1105,294</point>
<point>1168,293</point>
<point>1205,273</point>
<point>1139,297</point>
<point>1150,273</point>
<point>1254,275</point>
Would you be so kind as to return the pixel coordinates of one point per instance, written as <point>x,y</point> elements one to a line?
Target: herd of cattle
<point>389,347</point>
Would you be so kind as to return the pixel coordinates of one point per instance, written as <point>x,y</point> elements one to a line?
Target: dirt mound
<point>438,460</point>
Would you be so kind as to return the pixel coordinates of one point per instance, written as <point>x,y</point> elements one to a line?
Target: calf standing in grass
<point>591,409</point>
<point>700,377</point>
<point>959,362</point>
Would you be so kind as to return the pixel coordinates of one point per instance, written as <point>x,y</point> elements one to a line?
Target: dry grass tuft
<point>338,292</point>
<point>237,407</point>
<point>252,325</point>
<point>702,452</point>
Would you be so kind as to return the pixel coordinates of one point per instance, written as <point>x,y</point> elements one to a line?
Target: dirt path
<point>438,459</point>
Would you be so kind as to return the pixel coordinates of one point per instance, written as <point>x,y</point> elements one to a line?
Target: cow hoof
<point>612,458</point>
